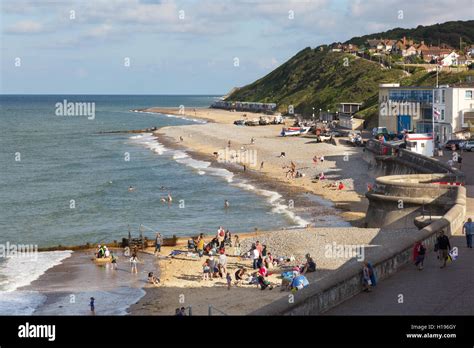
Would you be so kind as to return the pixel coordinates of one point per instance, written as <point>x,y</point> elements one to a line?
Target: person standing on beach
<point>133,263</point>
<point>468,229</point>
<point>200,245</point>
<point>92,305</point>
<point>237,246</point>
<point>443,248</point>
<point>255,257</point>
<point>229,281</point>
<point>158,242</point>
<point>220,236</point>
<point>259,247</point>
<point>228,144</point>
<point>114,260</point>
<point>226,204</point>
<point>261,165</point>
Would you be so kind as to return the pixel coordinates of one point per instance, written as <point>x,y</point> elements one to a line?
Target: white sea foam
<point>275,199</point>
<point>17,272</point>
<point>183,117</point>
<point>21,271</point>
<point>149,141</point>
<point>20,302</point>
<point>204,167</point>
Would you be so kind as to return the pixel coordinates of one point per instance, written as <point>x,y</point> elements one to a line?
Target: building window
<point>443,96</point>
<point>468,95</point>
<point>442,115</point>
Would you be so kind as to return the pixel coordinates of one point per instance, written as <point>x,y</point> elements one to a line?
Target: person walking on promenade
<point>419,252</point>
<point>443,248</point>
<point>366,277</point>
<point>468,229</point>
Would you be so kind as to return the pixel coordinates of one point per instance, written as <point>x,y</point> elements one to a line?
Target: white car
<point>468,145</point>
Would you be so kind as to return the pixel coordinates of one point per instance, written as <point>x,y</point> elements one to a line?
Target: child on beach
<point>114,260</point>
<point>229,281</point>
<point>205,270</point>
<point>92,305</point>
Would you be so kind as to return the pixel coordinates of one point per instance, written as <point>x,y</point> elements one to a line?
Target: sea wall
<point>405,191</point>
<point>323,295</point>
<point>409,176</point>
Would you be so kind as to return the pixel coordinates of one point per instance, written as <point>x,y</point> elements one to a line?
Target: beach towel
<point>287,274</point>
<point>177,252</point>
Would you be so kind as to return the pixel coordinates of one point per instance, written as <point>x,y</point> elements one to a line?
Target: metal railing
<point>215,309</point>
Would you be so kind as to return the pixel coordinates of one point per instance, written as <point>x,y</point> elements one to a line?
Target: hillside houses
<point>443,54</point>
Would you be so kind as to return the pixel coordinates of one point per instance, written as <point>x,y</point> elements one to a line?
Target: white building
<point>450,60</point>
<point>453,111</point>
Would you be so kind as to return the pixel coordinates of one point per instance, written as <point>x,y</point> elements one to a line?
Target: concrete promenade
<point>432,291</point>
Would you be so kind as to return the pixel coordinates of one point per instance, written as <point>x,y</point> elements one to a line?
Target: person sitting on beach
<point>263,271</point>
<point>263,283</point>
<point>309,266</point>
<point>152,279</point>
<point>268,261</point>
<point>99,251</point>
<point>321,176</point>
<point>239,275</point>
<point>282,154</point>
<point>340,186</point>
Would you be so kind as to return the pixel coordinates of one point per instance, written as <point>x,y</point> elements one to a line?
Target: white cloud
<point>26,27</point>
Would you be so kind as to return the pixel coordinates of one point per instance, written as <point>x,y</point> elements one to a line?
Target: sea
<point>65,179</point>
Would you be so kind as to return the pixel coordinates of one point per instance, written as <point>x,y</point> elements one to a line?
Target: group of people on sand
<point>103,252</point>
<point>216,246</point>
<point>263,266</point>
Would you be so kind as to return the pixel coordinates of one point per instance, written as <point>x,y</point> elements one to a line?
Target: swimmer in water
<point>131,189</point>
<point>170,199</point>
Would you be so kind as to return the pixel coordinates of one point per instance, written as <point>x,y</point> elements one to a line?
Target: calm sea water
<point>64,183</point>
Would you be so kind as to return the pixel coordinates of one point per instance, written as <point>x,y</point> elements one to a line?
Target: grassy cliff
<point>321,78</point>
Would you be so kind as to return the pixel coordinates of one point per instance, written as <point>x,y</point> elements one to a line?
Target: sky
<point>182,46</point>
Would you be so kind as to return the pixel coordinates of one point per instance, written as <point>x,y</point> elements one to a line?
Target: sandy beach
<point>181,284</point>
<point>342,162</point>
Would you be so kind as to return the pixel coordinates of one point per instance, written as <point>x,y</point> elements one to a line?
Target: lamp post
<point>320,114</point>
<point>313,113</point>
